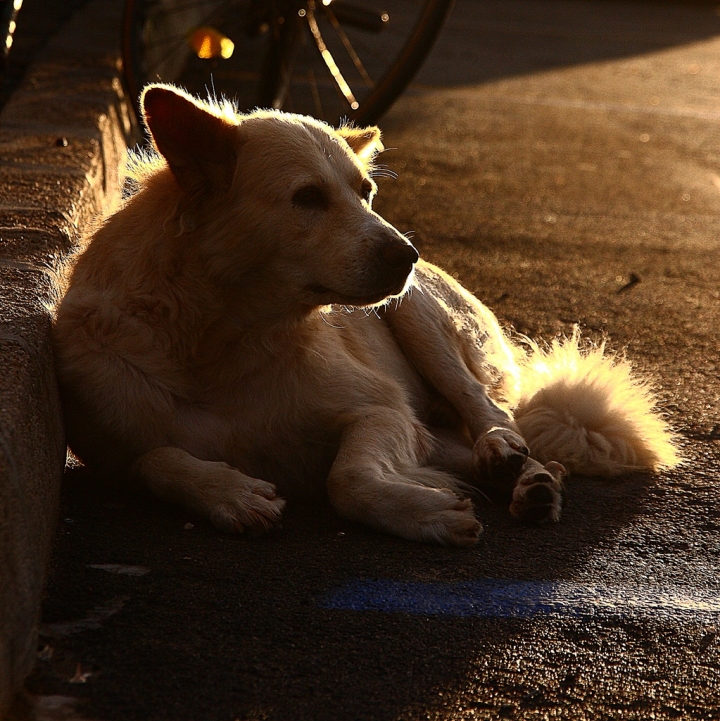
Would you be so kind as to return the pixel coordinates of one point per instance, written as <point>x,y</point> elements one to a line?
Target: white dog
<point>215,342</point>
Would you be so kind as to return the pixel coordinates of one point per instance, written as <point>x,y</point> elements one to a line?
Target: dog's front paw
<point>245,505</point>
<point>538,495</point>
<point>499,457</point>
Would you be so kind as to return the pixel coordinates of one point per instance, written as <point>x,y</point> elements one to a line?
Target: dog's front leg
<point>450,337</point>
<point>378,479</point>
<point>221,493</point>
<point>457,345</point>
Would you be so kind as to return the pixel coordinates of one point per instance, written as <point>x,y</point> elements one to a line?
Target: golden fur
<point>227,333</point>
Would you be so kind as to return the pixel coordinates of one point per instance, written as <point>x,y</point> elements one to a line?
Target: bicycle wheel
<point>8,15</point>
<point>332,59</point>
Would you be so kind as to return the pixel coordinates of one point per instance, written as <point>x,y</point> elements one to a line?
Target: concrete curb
<point>63,136</point>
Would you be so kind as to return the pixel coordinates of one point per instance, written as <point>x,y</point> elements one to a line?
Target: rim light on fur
<point>608,418</point>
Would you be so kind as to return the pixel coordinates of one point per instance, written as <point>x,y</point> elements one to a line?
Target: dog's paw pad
<point>499,457</point>
<point>538,495</point>
<point>530,479</point>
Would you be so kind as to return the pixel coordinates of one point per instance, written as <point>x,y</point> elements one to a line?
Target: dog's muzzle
<point>384,272</point>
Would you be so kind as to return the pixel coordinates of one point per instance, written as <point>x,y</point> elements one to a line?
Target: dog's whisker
<point>325,320</point>
<point>315,352</point>
<point>381,173</point>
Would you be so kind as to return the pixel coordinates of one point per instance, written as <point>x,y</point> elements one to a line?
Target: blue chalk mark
<point>498,598</point>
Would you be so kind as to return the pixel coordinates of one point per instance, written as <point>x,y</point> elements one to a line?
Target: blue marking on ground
<point>498,598</point>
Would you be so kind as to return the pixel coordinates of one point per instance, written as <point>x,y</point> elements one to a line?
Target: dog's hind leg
<point>456,343</point>
<point>458,346</point>
<point>452,452</point>
<point>378,478</point>
<point>221,493</point>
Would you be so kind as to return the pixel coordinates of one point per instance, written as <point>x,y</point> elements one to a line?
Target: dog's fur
<point>226,334</point>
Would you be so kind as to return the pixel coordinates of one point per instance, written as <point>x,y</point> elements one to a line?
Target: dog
<point>246,329</point>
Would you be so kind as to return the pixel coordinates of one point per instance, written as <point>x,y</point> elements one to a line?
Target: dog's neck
<point>233,346</point>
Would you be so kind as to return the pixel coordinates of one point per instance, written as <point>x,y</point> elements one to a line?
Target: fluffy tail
<point>586,410</point>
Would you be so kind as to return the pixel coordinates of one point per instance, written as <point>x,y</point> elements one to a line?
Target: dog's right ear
<point>199,146</point>
<point>364,142</point>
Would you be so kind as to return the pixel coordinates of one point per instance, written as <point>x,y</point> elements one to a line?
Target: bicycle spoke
<point>190,5</point>
<point>310,79</point>
<point>279,62</point>
<point>178,41</point>
<point>345,40</point>
<point>331,61</point>
<point>182,35</point>
<point>174,49</point>
<point>315,94</point>
<point>328,59</point>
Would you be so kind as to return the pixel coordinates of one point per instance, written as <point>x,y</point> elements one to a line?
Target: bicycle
<point>333,59</point>
<point>8,16</point>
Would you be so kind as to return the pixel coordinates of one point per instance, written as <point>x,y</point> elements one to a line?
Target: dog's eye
<point>310,196</point>
<point>366,190</point>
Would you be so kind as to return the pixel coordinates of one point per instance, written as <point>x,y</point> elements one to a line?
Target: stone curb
<point>63,136</point>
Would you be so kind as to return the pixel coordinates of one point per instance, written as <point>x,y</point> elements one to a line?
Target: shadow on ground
<point>224,627</point>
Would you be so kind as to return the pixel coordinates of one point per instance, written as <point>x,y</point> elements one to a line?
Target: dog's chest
<point>276,430</point>
<point>282,419</point>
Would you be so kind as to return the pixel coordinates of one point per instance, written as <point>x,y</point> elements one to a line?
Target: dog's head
<point>281,200</point>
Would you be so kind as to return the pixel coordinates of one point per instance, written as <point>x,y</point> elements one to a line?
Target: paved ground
<point>563,160</point>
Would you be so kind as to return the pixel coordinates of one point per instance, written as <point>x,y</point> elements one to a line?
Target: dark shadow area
<point>482,41</point>
<point>222,627</point>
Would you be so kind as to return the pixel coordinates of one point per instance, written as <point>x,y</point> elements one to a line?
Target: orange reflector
<point>207,43</point>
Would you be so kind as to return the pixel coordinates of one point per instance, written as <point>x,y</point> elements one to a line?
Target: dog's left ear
<point>364,142</point>
<point>199,146</point>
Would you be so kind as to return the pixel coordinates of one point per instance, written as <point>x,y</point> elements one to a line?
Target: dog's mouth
<point>329,296</point>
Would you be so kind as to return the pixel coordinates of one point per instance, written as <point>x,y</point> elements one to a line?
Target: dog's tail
<point>585,409</point>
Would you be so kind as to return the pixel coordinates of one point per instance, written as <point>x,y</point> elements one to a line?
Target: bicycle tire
<point>407,64</point>
<point>396,73</point>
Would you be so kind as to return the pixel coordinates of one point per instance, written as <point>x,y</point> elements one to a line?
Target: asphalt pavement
<point>562,159</point>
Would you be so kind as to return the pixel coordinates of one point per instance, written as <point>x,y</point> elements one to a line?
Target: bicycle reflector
<point>208,43</point>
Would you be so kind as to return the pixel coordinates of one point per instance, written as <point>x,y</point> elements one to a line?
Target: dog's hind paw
<point>499,457</point>
<point>538,495</point>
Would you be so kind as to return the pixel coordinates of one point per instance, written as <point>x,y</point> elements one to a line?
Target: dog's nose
<point>398,254</point>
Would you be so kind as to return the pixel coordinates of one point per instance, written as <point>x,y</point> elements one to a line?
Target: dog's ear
<point>200,147</point>
<point>364,142</point>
